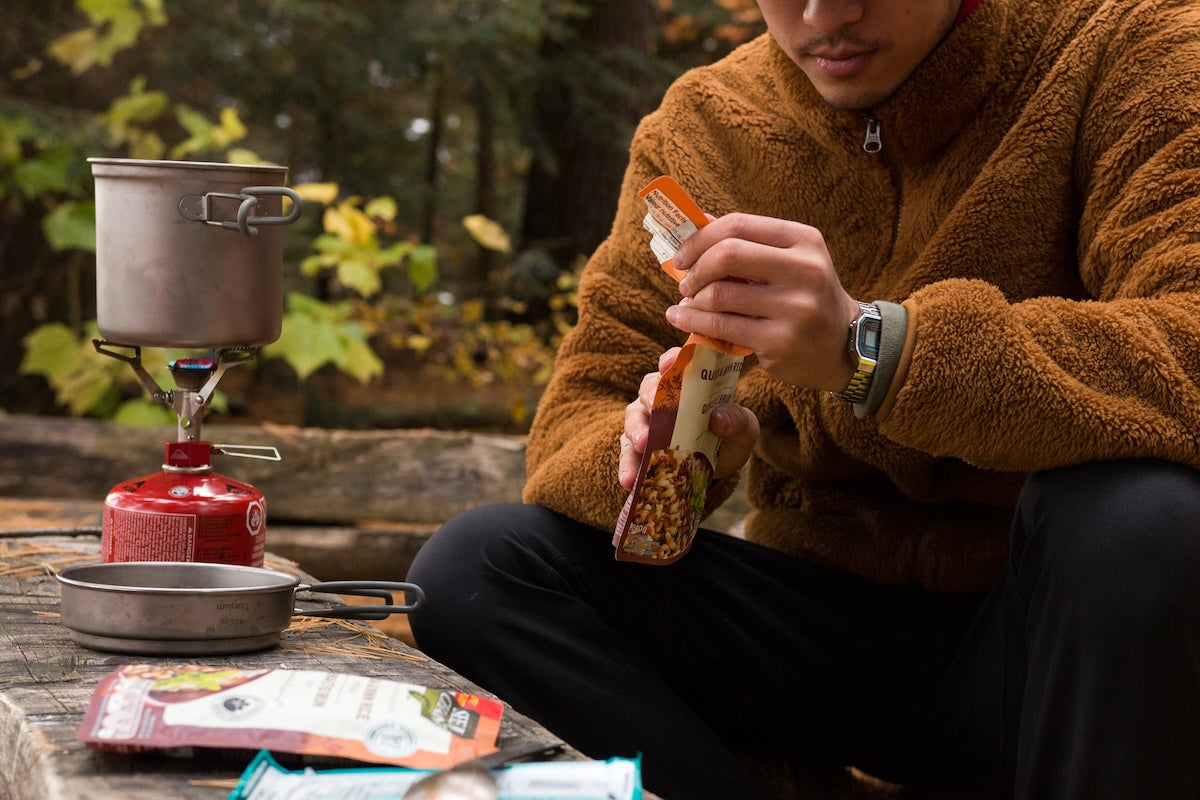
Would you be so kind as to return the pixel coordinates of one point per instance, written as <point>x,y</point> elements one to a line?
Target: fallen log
<point>342,504</point>
<point>325,476</point>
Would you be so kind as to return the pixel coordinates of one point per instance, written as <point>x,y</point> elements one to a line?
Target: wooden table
<point>46,682</point>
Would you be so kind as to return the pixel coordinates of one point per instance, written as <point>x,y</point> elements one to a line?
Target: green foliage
<point>316,333</point>
<point>89,383</point>
<point>205,137</point>
<point>115,26</point>
<point>71,226</point>
<point>48,172</point>
<point>396,117</point>
<point>352,251</point>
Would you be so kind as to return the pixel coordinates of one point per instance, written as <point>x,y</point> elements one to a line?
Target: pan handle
<point>380,589</point>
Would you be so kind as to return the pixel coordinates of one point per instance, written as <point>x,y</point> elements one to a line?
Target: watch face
<point>868,337</point>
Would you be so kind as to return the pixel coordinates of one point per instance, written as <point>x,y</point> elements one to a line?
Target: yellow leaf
<point>418,342</point>
<point>518,411</point>
<point>32,67</point>
<point>76,49</point>
<point>323,193</point>
<point>364,227</point>
<point>349,223</point>
<point>242,155</point>
<point>487,233</point>
<point>231,124</point>
<point>471,311</point>
<point>382,208</point>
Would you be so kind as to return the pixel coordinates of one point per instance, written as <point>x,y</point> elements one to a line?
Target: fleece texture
<point>1036,210</point>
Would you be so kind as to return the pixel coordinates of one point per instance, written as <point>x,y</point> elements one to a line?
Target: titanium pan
<point>175,608</point>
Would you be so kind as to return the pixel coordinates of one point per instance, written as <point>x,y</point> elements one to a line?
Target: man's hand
<point>769,285</point>
<point>735,425</point>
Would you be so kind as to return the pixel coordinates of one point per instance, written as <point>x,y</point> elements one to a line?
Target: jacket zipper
<point>873,144</point>
<point>874,141</point>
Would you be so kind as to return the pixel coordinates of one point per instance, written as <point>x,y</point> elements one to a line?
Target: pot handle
<point>380,589</point>
<point>199,208</point>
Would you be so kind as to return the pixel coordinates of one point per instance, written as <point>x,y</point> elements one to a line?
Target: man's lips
<point>841,63</point>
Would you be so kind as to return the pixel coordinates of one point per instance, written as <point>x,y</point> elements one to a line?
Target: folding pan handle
<point>414,596</point>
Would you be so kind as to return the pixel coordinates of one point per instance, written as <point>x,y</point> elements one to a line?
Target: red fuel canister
<point>186,512</point>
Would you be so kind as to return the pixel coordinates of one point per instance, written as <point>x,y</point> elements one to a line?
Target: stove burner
<point>192,373</point>
<point>196,378</point>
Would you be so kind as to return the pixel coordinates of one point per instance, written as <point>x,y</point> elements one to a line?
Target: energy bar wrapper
<point>663,511</point>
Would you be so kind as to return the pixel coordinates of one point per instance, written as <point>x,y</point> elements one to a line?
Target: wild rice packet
<point>183,709</point>
<point>665,508</point>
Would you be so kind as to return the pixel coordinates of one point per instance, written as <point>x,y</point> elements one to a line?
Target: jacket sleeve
<point>1049,381</point>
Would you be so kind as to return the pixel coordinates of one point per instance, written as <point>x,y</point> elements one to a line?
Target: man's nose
<point>830,16</point>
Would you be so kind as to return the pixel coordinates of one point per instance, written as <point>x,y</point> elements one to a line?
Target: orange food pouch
<point>664,510</point>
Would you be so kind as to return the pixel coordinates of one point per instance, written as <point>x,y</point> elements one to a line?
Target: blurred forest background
<point>459,160</point>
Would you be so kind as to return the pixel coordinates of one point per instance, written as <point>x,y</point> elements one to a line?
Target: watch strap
<point>864,370</point>
<point>894,331</point>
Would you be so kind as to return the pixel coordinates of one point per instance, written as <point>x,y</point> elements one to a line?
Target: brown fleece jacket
<point>1035,207</point>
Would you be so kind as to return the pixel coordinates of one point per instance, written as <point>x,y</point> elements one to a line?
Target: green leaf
<point>50,350</point>
<point>137,106</point>
<point>422,267</point>
<point>71,226</point>
<point>310,306</point>
<point>86,391</point>
<point>316,334</point>
<point>192,120</point>
<point>49,172</point>
<point>312,265</point>
<point>306,344</point>
<point>360,276</point>
<point>144,412</point>
<point>360,361</point>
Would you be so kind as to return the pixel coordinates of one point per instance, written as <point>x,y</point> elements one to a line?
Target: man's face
<point>857,52</point>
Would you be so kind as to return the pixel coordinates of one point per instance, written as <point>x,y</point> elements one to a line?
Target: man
<point>975,565</point>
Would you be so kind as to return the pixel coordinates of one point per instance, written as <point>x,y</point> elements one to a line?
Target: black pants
<point>1077,676</point>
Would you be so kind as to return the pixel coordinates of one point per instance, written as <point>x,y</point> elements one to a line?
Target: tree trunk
<point>437,114</point>
<point>485,178</point>
<point>572,189</point>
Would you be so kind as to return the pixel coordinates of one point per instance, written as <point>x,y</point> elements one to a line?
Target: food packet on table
<point>177,708</point>
<point>614,779</point>
<point>664,510</point>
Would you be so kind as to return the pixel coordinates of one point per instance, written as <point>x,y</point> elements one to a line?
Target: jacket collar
<point>934,105</point>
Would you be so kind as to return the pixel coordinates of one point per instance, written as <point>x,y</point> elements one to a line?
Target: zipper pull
<point>874,140</point>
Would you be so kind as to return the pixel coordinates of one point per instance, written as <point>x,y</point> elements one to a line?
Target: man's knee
<point>1124,534</point>
<point>484,564</point>
<point>449,567</point>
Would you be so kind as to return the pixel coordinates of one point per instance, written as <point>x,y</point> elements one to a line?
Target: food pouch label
<point>308,712</point>
<point>447,710</point>
<point>663,511</point>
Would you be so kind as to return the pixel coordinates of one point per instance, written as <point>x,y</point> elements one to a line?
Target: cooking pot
<point>189,254</point>
<point>168,607</point>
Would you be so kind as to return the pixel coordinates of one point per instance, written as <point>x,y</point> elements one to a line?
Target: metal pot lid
<point>145,164</point>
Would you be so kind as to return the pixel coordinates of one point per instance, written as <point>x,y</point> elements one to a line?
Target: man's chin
<point>845,96</point>
<point>853,100</point>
